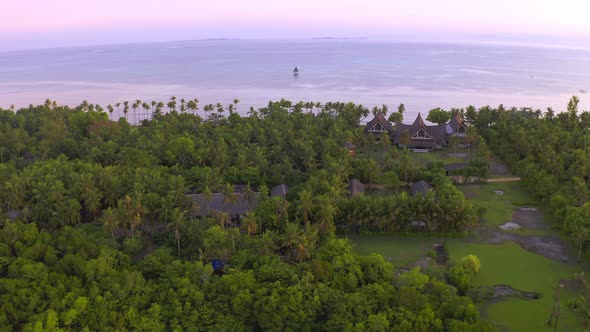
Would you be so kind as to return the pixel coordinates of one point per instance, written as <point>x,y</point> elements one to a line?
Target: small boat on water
<point>295,72</point>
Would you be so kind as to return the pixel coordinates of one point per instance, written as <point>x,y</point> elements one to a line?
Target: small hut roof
<point>207,207</point>
<point>420,188</point>
<point>355,187</point>
<point>280,190</point>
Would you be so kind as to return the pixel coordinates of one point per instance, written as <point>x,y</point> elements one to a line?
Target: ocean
<point>420,75</point>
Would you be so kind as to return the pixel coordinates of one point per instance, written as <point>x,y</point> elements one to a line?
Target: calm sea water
<point>421,75</point>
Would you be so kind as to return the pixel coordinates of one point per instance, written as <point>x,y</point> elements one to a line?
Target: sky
<point>27,24</point>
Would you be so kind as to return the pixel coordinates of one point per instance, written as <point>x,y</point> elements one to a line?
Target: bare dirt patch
<point>458,155</point>
<point>505,290</point>
<point>529,218</point>
<point>548,247</point>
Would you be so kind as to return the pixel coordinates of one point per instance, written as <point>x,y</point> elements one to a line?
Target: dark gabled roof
<point>438,133</point>
<point>280,190</point>
<point>380,117</point>
<point>419,123</point>
<point>455,122</point>
<point>242,205</point>
<point>420,188</point>
<point>455,166</point>
<point>355,187</point>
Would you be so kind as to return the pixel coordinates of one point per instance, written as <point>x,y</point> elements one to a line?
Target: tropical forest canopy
<point>99,232</point>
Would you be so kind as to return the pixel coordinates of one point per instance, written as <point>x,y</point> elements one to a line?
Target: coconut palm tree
<point>146,108</point>
<point>111,110</point>
<point>135,106</point>
<point>249,195</point>
<point>305,205</point>
<point>172,104</point>
<point>223,218</point>
<point>229,196</point>
<point>208,195</point>
<point>236,101</point>
<point>110,220</point>
<point>125,108</point>
<point>220,109</point>
<point>176,220</point>
<point>250,223</point>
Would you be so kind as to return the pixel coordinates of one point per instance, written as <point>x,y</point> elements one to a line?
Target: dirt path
<point>510,179</point>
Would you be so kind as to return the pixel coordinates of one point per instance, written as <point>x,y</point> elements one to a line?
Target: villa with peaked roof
<point>421,136</point>
<point>378,125</point>
<point>418,135</point>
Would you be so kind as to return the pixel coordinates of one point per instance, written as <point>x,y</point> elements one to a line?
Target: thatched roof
<point>207,207</point>
<point>420,188</point>
<point>436,134</point>
<point>355,187</point>
<point>455,123</point>
<point>280,190</point>
<point>379,118</point>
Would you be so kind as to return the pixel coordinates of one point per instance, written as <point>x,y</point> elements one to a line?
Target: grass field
<point>499,208</point>
<point>506,263</point>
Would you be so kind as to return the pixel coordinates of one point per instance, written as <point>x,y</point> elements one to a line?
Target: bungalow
<point>355,187</point>
<point>418,135</point>
<point>378,125</point>
<point>420,188</point>
<point>244,203</point>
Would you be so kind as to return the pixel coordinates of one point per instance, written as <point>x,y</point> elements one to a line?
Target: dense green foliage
<point>66,171</point>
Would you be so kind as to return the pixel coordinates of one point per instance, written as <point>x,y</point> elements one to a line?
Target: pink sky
<point>46,23</point>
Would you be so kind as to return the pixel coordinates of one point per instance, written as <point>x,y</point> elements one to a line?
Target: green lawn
<point>499,208</point>
<point>511,265</point>
<point>375,151</point>
<point>422,159</point>
<point>501,264</point>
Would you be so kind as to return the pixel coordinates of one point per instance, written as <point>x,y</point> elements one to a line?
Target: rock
<point>505,290</point>
<point>510,226</point>
<point>528,209</point>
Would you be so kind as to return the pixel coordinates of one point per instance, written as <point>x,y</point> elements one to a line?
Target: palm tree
<point>251,223</point>
<point>220,109</point>
<point>236,101</point>
<point>326,214</point>
<point>291,236</point>
<point>118,104</point>
<point>111,110</point>
<point>229,196</point>
<point>282,213</point>
<point>135,106</point>
<point>176,221</point>
<point>305,205</point>
<point>182,105</point>
<point>172,104</point>
<point>146,108</point>
<point>581,234</point>
<point>223,218</point>
<point>110,220</point>
<point>208,194</point>
<point>125,108</point>
<point>249,195</point>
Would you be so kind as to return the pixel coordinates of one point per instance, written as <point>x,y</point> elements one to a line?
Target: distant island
<point>206,39</point>
<point>339,38</point>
